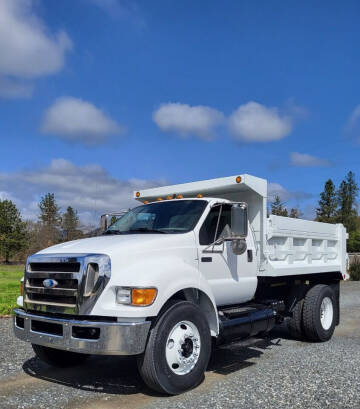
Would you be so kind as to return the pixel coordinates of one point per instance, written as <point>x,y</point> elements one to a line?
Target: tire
<point>319,313</point>
<point>295,323</point>
<point>180,333</point>
<point>58,357</point>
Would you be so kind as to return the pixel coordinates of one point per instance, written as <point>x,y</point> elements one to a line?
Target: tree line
<point>19,238</point>
<point>336,205</point>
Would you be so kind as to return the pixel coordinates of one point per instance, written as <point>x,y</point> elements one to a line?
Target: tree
<point>353,244</point>
<point>70,224</point>
<point>326,212</point>
<point>50,218</point>
<point>295,213</point>
<point>346,195</point>
<point>12,230</point>
<point>278,208</point>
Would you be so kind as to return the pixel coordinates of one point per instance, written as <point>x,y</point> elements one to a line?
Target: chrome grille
<point>67,276</point>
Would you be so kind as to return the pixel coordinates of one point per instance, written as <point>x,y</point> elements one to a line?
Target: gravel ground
<point>277,372</point>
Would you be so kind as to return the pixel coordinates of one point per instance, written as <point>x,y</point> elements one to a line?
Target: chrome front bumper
<point>89,337</point>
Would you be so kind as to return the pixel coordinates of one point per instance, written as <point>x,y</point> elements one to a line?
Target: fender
<point>169,274</point>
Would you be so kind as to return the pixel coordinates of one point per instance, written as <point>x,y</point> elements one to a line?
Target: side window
<point>208,229</point>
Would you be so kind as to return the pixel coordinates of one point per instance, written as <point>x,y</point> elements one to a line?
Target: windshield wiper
<point>113,232</point>
<point>145,230</point>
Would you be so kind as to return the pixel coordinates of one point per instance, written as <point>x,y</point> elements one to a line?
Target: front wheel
<point>319,313</point>
<point>178,350</point>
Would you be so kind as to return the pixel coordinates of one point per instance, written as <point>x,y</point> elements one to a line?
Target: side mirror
<point>239,220</point>
<point>104,222</point>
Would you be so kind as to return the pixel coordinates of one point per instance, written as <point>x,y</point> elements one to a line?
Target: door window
<point>208,229</point>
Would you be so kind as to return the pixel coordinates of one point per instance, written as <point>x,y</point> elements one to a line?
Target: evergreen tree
<point>326,212</point>
<point>12,230</point>
<point>295,213</point>
<point>50,219</point>
<point>278,208</point>
<point>70,224</point>
<point>346,195</point>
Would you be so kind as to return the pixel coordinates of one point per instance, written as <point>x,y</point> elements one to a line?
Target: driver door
<point>231,277</point>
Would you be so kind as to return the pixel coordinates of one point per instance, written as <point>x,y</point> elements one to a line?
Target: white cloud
<point>27,48</point>
<point>353,124</point>
<point>275,189</point>
<point>122,9</point>
<point>78,120</point>
<point>89,189</point>
<point>253,122</point>
<point>306,161</point>
<point>186,120</point>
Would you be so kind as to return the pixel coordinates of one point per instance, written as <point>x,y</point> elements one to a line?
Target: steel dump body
<point>285,246</point>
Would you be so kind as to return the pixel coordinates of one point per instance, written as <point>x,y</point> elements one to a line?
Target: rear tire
<point>178,349</point>
<point>58,357</point>
<point>319,313</point>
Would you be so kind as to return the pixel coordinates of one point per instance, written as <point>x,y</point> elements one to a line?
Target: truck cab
<point>192,265</point>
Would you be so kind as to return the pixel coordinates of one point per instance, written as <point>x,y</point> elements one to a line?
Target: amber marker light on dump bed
<point>199,196</point>
<point>143,296</point>
<point>238,179</point>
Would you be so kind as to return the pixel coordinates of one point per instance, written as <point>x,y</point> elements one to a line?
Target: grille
<point>63,296</point>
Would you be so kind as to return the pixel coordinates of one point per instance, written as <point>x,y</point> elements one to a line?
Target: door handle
<point>206,259</point>
<point>249,256</point>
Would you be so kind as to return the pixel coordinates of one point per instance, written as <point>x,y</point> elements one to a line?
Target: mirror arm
<point>212,245</point>
<point>217,226</point>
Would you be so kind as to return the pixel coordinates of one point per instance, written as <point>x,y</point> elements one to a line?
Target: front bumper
<point>89,337</point>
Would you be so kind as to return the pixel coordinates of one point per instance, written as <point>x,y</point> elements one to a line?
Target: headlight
<point>140,297</point>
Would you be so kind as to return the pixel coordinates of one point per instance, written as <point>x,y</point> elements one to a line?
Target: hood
<point>115,244</point>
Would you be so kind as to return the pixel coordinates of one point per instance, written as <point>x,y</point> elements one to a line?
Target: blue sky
<point>100,97</point>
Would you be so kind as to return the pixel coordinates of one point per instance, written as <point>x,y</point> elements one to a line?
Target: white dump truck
<point>193,265</point>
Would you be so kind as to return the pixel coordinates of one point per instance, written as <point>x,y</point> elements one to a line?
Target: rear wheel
<point>178,350</point>
<point>57,357</point>
<point>319,313</point>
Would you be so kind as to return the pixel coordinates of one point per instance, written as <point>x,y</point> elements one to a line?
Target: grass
<point>10,276</point>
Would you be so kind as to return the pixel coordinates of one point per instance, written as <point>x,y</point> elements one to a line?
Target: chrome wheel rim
<point>326,313</point>
<point>183,347</point>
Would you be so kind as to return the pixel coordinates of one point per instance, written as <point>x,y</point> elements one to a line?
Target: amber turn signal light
<point>143,296</point>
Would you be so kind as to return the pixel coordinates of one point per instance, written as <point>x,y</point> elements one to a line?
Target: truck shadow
<point>119,375</point>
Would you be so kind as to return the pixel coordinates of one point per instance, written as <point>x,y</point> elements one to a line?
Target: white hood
<point>112,245</point>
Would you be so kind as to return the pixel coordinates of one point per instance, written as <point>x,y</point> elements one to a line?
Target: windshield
<point>165,217</point>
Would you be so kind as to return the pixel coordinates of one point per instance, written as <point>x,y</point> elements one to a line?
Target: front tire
<point>319,313</point>
<point>178,350</point>
<point>58,357</point>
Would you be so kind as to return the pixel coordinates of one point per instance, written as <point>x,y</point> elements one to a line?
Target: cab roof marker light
<point>238,179</point>
<point>137,194</point>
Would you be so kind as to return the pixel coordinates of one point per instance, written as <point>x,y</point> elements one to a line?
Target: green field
<point>10,276</point>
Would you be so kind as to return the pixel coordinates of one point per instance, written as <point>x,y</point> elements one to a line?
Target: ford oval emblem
<point>49,283</point>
